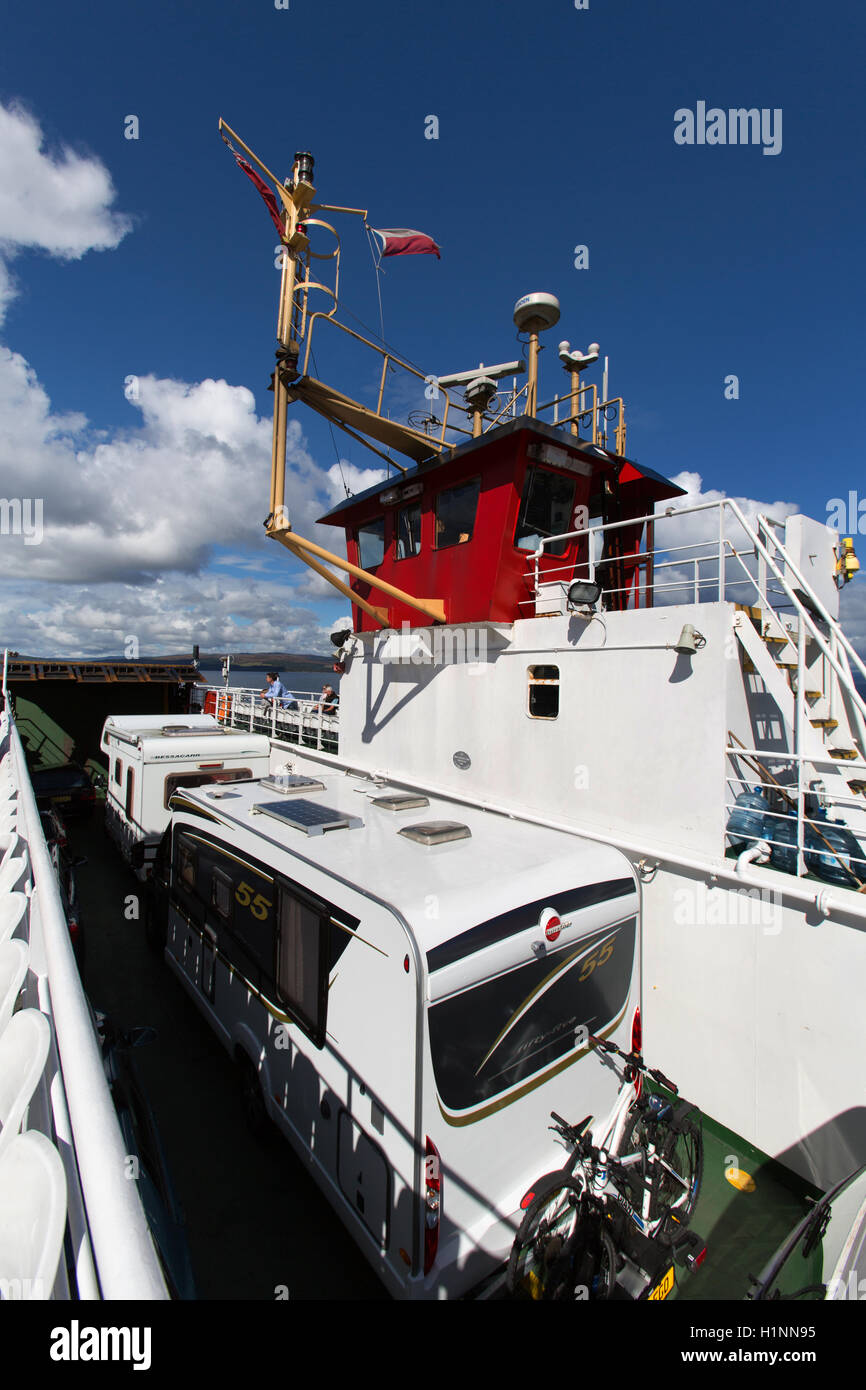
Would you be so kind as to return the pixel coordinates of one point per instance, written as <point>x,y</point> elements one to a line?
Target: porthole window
<point>543,692</point>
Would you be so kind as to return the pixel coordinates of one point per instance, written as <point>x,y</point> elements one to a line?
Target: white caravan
<point>150,756</point>
<point>407,986</point>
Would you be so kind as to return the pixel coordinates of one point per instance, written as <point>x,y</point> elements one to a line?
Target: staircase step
<point>778,641</point>
<point>857,786</point>
<point>814,694</point>
<point>824,723</point>
<point>850,754</point>
<point>787,665</point>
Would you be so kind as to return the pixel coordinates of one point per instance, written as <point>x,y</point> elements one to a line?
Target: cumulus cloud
<point>166,616</point>
<point>55,201</point>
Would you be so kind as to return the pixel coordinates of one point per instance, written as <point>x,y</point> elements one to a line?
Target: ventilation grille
<point>400,802</point>
<point>436,832</point>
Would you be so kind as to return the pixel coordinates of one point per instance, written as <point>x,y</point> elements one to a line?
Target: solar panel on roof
<point>308,816</point>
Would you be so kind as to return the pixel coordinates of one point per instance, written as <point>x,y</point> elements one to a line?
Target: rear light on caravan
<point>432,1203</point>
<point>637,1046</point>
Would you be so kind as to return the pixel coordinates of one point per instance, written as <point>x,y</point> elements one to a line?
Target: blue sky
<point>556,128</point>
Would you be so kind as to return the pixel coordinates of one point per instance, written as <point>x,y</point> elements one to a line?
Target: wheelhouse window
<point>546,509</point>
<point>371,543</point>
<point>543,692</point>
<point>408,532</point>
<point>455,514</point>
<point>302,961</point>
<point>200,779</point>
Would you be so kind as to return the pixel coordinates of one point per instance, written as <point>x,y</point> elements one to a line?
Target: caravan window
<point>130,790</point>
<point>186,864</point>
<point>200,779</point>
<point>302,961</point>
<point>118,771</point>
<point>517,1026</point>
<point>221,889</point>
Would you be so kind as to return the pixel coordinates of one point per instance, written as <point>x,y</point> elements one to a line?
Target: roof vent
<point>287,782</point>
<point>400,802</point>
<point>307,816</point>
<point>186,730</point>
<point>436,832</point>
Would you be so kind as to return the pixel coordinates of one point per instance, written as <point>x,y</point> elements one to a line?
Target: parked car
<point>65,867</point>
<point>143,1143</point>
<point>68,786</point>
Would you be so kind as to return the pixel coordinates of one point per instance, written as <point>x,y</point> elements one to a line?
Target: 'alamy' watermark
<point>699,906</point>
<point>736,126</point>
<point>847,516</point>
<point>22,516</point>
<point>434,646</point>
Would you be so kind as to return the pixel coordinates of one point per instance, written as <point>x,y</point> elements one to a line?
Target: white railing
<point>296,717</point>
<point>112,1250</point>
<point>761,573</point>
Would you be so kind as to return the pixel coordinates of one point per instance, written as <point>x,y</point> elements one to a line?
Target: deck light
<point>584,592</point>
<point>689,641</point>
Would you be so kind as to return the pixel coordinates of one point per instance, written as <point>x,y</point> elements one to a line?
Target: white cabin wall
<point>750,1004</point>
<point>638,745</point>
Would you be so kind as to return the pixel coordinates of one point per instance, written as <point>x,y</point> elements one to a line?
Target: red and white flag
<point>403,241</point>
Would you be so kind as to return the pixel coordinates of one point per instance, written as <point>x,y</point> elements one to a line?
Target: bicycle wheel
<point>595,1265</point>
<point>681,1148</point>
<point>541,1262</point>
<point>683,1151</point>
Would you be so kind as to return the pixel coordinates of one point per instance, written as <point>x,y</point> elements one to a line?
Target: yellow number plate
<point>664,1286</point>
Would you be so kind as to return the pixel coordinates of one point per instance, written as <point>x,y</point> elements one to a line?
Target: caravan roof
<point>167,738</point>
<point>441,889</point>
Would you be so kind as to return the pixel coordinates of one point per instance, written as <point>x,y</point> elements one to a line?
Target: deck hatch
<point>436,832</point>
<point>308,816</point>
<point>400,802</point>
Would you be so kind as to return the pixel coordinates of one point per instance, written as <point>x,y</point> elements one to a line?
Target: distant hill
<point>264,661</point>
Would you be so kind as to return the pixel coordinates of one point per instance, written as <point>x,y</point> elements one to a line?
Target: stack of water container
<point>832,851</point>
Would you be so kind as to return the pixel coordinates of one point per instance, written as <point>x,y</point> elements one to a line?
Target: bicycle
<point>635,1172</point>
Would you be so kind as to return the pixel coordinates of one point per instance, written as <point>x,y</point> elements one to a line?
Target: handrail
<point>125,1258</point>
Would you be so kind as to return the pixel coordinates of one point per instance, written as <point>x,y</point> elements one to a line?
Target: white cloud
<point>59,202</point>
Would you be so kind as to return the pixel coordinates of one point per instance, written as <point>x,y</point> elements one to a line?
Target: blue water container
<point>746,821</point>
<point>783,832</point>
<point>851,864</point>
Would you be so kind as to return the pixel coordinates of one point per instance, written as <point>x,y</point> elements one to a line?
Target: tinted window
<point>221,891</point>
<point>510,1029</point>
<point>371,543</point>
<point>455,514</point>
<point>199,779</point>
<point>117,770</point>
<point>408,532</point>
<point>546,509</point>
<point>302,961</point>
<point>130,788</point>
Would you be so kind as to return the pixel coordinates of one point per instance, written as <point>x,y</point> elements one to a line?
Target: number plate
<point>664,1286</point>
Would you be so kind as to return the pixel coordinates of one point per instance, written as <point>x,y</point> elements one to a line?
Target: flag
<point>260,184</point>
<point>402,241</point>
